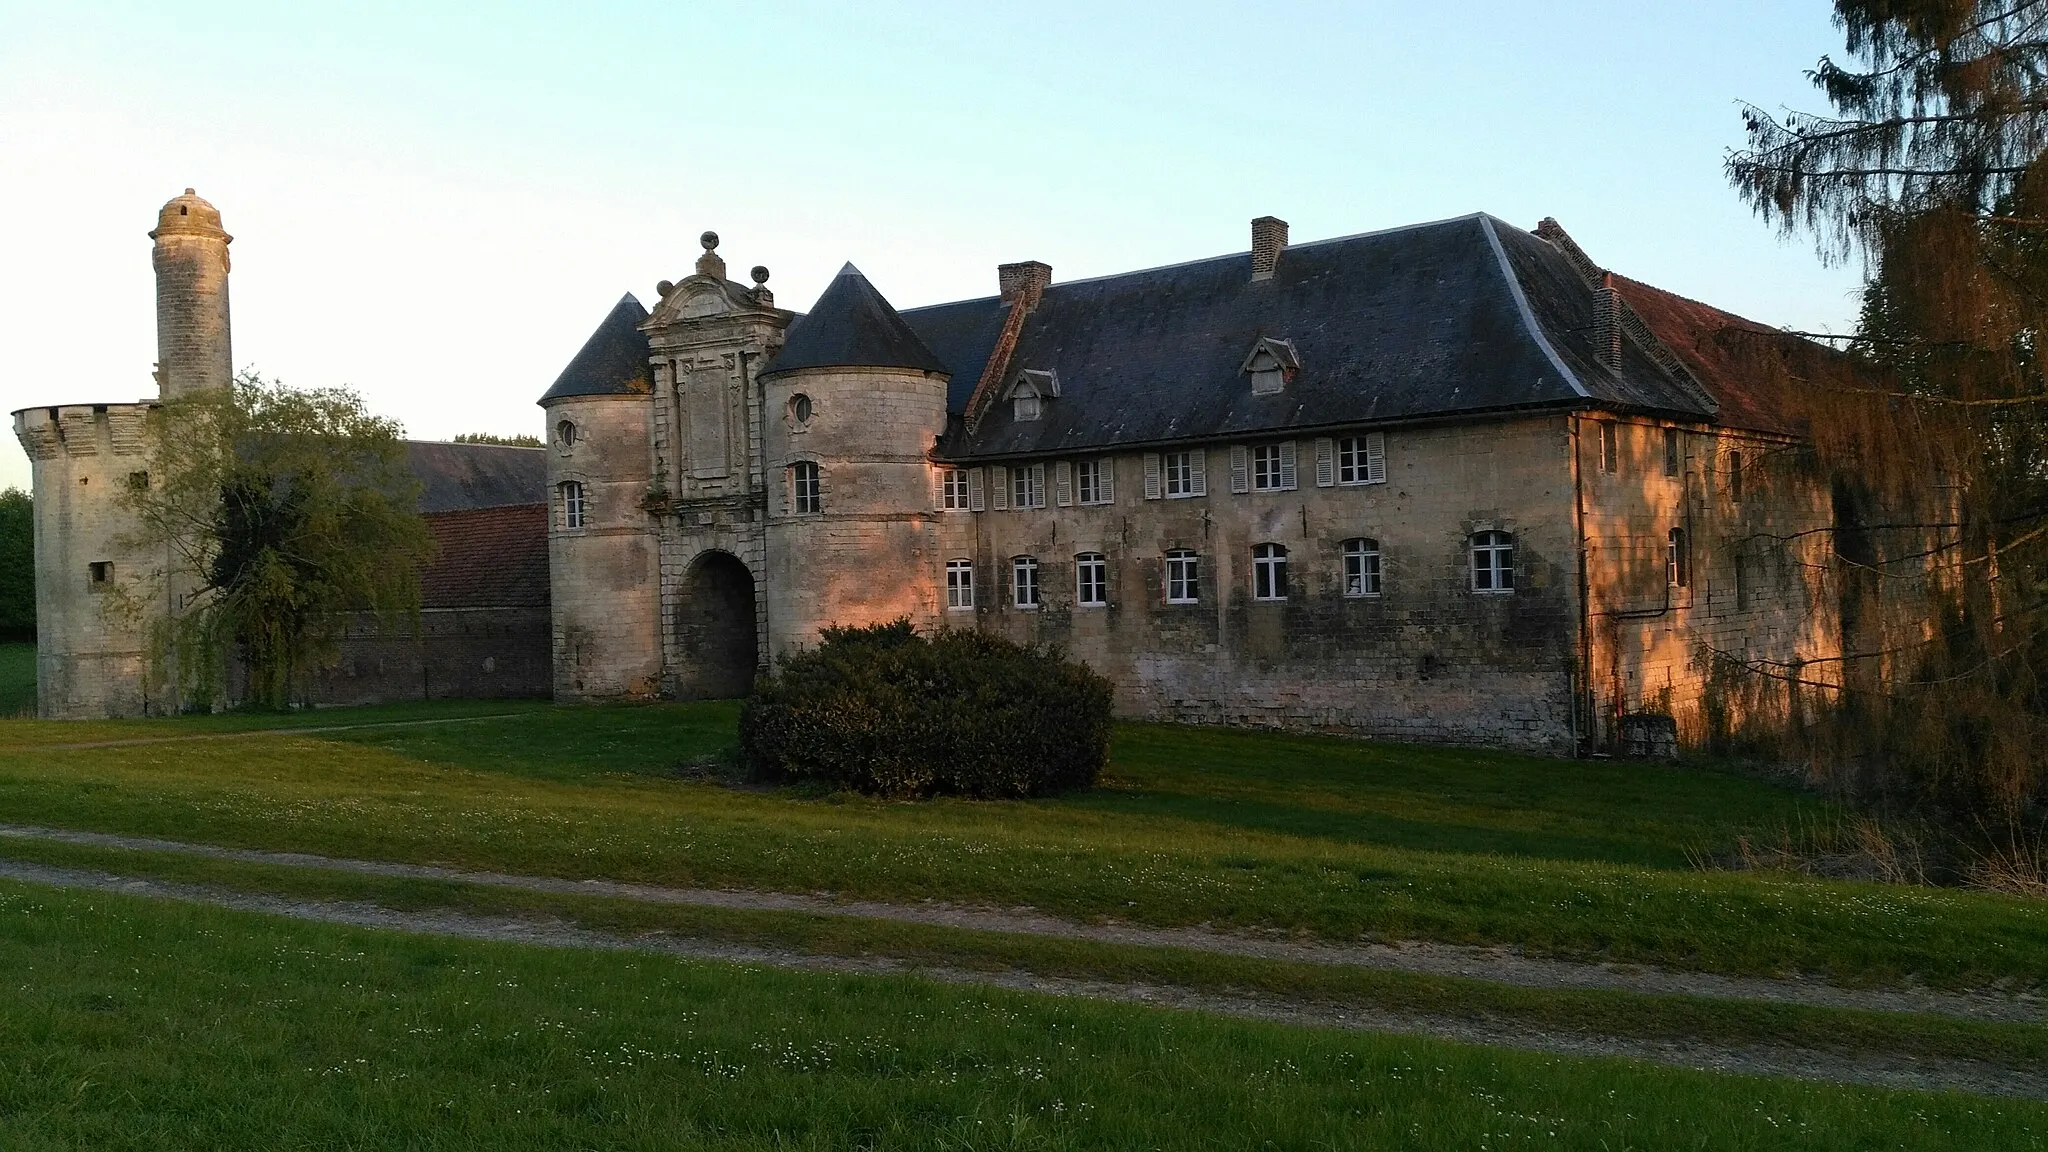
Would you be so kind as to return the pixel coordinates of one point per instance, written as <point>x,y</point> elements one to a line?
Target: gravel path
<point>1501,965</point>
<point>1870,1069</point>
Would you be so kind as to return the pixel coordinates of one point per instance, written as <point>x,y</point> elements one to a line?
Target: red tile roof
<point>489,558</point>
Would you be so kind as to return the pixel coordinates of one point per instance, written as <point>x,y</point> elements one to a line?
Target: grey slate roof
<point>1461,316</point>
<point>852,326</point>
<point>613,362</point>
<point>455,477</point>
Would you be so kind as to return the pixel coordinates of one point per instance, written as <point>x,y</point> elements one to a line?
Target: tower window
<point>565,432</point>
<point>572,504</point>
<point>1269,572</point>
<point>1091,580</point>
<point>101,571</point>
<point>805,488</point>
<point>800,410</point>
<point>1361,567</point>
<point>1493,562</point>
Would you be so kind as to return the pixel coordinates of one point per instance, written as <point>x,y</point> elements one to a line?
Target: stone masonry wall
<point>605,576</point>
<point>457,653</point>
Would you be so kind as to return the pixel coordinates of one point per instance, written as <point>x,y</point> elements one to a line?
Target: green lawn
<point>1338,839</point>
<point>129,1024</point>
<point>17,680</point>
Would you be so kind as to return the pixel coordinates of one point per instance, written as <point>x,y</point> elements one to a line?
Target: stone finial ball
<point>664,288</point>
<point>709,240</point>
<point>760,273</point>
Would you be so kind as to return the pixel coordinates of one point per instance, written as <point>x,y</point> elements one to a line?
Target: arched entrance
<point>715,629</point>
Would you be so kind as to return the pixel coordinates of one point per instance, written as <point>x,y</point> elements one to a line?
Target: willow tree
<point>278,513</point>
<point>1931,168</point>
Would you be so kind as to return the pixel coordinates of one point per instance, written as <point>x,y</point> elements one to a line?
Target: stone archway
<point>715,637</point>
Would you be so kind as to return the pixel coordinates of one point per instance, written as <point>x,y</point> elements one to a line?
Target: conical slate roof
<point>852,326</point>
<point>613,361</point>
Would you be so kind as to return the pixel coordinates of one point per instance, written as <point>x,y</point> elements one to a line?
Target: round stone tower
<point>191,258</point>
<point>852,405</point>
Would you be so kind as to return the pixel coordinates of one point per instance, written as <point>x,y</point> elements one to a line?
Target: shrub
<point>885,711</point>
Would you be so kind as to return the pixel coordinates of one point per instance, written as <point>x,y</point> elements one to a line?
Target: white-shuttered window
<point>956,492</point>
<point>1185,474</point>
<point>1027,486</point>
<point>1091,580</point>
<point>1093,480</point>
<point>1362,459</point>
<point>1273,467</point>
<point>959,585</point>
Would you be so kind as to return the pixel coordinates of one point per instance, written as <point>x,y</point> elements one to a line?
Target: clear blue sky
<point>435,204</point>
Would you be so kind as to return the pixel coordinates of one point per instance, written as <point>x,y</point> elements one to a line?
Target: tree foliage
<point>277,511</point>
<point>1931,168</point>
<point>17,566</point>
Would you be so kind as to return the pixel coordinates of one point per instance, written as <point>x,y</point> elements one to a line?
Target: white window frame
<point>1095,480</point>
<point>1493,557</point>
<point>806,488</point>
<point>1362,459</point>
<point>1272,467</point>
<point>575,508</point>
<point>1027,486</point>
<point>955,490</point>
<point>1269,572</point>
<point>1185,474</point>
<point>1024,591</point>
<point>1183,576</point>
<point>1091,580</point>
<point>1361,568</point>
<point>1677,558</point>
<point>1610,447</point>
<point>959,585</point>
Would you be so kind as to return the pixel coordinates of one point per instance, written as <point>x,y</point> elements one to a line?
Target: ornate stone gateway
<point>715,629</point>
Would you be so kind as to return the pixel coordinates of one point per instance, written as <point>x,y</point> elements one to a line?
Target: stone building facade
<point>1452,482</point>
<point>484,626</point>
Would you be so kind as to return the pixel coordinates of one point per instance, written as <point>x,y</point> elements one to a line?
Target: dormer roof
<point>853,326</point>
<point>613,361</point>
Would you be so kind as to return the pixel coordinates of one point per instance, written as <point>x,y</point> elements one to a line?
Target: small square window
<point>101,571</point>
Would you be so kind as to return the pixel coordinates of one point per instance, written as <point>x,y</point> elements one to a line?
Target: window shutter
<point>1326,463</point>
<point>938,489</point>
<point>975,503</point>
<point>1240,469</point>
<point>999,480</point>
<point>1151,475</point>
<point>1063,483</point>
<point>1107,492</point>
<point>1038,485</point>
<point>788,489</point>
<point>1376,458</point>
<point>1287,472</point>
<point>1198,463</point>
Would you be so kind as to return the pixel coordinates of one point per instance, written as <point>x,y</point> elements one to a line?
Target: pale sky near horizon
<point>435,204</point>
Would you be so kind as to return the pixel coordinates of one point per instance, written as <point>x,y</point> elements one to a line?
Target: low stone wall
<point>457,654</point>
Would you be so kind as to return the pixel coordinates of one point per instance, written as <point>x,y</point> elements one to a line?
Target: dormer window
<point>1029,394</point>
<point>1272,365</point>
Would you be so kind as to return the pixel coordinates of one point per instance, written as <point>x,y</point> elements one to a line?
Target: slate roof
<point>455,477</point>
<point>852,326</point>
<point>488,558</point>
<point>613,362</point>
<point>1456,317</point>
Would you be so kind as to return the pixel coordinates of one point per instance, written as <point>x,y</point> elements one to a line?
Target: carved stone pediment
<point>705,298</point>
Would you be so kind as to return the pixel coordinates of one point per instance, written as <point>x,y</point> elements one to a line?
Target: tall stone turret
<point>98,589</point>
<point>852,404</point>
<point>192,347</point>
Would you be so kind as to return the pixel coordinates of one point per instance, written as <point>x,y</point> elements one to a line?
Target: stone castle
<point>1450,482</point>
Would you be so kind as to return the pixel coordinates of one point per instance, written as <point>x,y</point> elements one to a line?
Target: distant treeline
<point>17,567</point>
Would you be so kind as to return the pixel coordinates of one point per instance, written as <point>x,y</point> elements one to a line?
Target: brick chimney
<point>1024,282</point>
<point>1607,323</point>
<point>1269,236</point>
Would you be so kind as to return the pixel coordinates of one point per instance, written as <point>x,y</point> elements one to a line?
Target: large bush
<point>886,711</point>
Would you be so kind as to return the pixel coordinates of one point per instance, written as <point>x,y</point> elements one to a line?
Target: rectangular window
<point>1362,459</point>
<point>1493,562</point>
<point>805,489</point>
<point>101,571</point>
<point>1269,572</point>
<point>1091,580</point>
<point>1677,559</point>
<point>1610,447</point>
<point>1024,581</point>
<point>1186,474</point>
<point>1092,480</point>
<point>956,494</point>
<point>1361,567</point>
<point>1266,468</point>
<point>1182,585</point>
<point>572,504</point>
<point>1674,452</point>
<point>959,585</point>
<point>1735,476</point>
<point>1027,486</point>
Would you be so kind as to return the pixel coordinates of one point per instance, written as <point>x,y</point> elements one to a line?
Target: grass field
<point>1329,838</point>
<point>129,1024</point>
<point>17,680</point>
